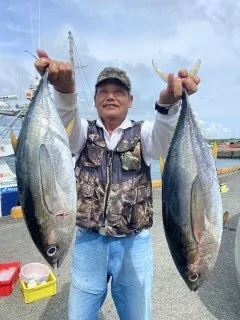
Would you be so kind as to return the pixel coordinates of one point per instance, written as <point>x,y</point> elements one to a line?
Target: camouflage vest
<point>114,186</point>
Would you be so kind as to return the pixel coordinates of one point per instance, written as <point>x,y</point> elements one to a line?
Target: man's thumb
<point>42,54</point>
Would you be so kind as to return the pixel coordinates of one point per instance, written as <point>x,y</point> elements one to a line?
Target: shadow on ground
<point>57,307</point>
<point>221,293</point>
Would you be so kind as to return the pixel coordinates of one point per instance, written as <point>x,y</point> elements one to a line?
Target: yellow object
<point>161,164</point>
<point>16,212</point>
<point>227,170</point>
<point>223,188</point>
<point>214,150</point>
<point>69,127</point>
<point>14,141</point>
<point>226,217</point>
<point>41,291</point>
<point>156,183</point>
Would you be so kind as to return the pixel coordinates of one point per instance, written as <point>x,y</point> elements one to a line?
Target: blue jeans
<point>127,261</point>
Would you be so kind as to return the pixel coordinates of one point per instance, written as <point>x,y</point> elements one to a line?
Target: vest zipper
<point>108,184</point>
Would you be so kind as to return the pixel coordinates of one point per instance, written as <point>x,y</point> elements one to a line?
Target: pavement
<point>218,298</point>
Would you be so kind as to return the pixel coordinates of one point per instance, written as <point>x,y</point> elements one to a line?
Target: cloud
<point>217,131</point>
<point>128,34</point>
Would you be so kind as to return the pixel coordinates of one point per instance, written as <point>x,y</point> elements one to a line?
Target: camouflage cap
<point>114,73</point>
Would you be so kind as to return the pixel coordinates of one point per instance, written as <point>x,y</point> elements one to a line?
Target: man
<point>114,216</point>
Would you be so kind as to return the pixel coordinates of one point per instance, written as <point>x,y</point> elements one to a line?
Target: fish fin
<point>163,75</point>
<point>48,181</point>
<point>14,141</point>
<point>197,211</point>
<point>194,70</point>
<point>69,127</point>
<point>162,163</point>
<point>226,217</point>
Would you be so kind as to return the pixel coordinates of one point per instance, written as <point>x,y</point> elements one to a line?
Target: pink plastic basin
<point>34,271</point>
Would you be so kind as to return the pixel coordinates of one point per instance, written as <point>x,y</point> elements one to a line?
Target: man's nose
<point>110,96</point>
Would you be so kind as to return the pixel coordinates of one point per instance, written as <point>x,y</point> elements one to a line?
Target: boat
<point>8,183</point>
<point>12,116</point>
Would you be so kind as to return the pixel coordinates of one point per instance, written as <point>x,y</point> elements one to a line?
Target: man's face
<point>112,100</point>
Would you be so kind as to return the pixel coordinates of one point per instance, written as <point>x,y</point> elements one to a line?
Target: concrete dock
<point>218,298</point>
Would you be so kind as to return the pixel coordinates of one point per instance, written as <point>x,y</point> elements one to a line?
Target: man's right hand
<point>60,74</point>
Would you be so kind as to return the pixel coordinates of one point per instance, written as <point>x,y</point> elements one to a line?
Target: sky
<point>129,34</point>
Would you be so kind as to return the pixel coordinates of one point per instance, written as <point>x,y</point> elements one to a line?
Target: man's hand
<point>60,74</point>
<point>173,92</point>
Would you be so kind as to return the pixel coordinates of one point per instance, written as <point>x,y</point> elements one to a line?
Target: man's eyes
<point>117,91</point>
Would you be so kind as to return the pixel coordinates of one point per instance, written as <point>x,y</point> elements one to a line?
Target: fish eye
<point>51,251</point>
<point>193,277</point>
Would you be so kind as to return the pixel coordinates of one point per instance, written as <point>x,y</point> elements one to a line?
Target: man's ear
<point>130,100</point>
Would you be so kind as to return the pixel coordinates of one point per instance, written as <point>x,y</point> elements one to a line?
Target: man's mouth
<point>110,106</point>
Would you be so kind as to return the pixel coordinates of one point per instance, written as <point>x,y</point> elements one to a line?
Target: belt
<point>102,232</point>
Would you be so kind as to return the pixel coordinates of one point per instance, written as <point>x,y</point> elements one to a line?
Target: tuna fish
<point>191,201</point>
<point>192,209</point>
<point>45,177</point>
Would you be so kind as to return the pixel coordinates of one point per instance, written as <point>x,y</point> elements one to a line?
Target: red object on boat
<point>7,286</point>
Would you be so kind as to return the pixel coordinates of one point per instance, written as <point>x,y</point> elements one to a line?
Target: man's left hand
<point>175,85</point>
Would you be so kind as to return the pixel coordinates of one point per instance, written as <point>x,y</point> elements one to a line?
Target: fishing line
<point>31,54</point>
<point>39,23</point>
<point>31,21</point>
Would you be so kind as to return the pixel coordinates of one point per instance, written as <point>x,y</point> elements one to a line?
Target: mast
<point>72,51</point>
<point>71,54</point>
<point>70,39</point>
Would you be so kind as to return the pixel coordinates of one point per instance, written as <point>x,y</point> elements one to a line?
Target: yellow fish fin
<point>14,141</point>
<point>162,163</point>
<point>69,127</point>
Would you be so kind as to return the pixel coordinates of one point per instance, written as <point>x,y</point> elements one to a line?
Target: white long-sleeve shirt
<point>155,135</point>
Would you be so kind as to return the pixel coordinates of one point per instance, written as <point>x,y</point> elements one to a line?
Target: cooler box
<point>9,197</point>
<point>6,286</point>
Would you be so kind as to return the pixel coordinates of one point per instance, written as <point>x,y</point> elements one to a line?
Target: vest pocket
<point>86,190</point>
<point>137,206</point>
<point>90,197</point>
<point>85,183</point>
<point>131,159</point>
<point>95,154</point>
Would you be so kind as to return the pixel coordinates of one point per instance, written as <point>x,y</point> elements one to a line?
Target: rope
<point>82,82</point>
<point>58,55</point>
<point>89,87</point>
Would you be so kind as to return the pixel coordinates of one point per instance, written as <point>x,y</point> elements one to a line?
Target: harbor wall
<point>230,153</point>
<point>158,183</point>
